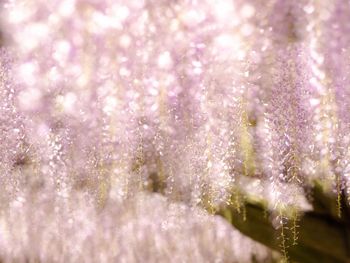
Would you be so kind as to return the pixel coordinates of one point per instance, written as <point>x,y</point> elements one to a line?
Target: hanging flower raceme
<point>171,105</point>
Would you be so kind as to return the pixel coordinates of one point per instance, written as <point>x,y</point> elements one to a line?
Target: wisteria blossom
<point>128,127</point>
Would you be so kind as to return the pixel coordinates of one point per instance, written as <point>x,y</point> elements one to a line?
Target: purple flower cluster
<point>103,101</point>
